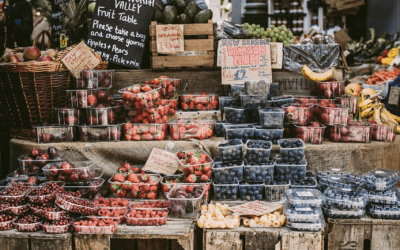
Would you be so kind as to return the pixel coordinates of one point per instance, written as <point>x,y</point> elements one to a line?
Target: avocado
<point>192,9</point>
<point>203,16</point>
<point>169,15</point>
<point>159,4</point>
<point>184,18</point>
<point>157,15</point>
<point>180,5</point>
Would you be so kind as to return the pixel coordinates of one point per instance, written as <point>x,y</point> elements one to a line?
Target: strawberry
<point>121,193</point>
<point>206,167</point>
<point>136,170</point>
<point>127,185</point>
<point>181,155</point>
<point>122,170</point>
<point>203,157</point>
<point>127,126</point>
<point>133,178</point>
<point>191,178</point>
<point>208,173</point>
<point>142,195</point>
<point>185,106</point>
<point>191,105</point>
<point>151,195</point>
<point>198,173</point>
<point>145,178</point>
<point>147,137</point>
<point>189,189</point>
<point>136,137</point>
<point>115,187</point>
<point>119,177</point>
<point>204,178</point>
<point>189,154</point>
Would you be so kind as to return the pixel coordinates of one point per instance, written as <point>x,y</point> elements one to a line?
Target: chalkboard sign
<point>120,29</point>
<point>57,16</point>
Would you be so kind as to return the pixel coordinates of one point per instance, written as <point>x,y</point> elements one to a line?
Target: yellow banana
<point>395,117</point>
<point>377,115</point>
<point>366,104</point>
<point>367,112</point>
<point>389,116</point>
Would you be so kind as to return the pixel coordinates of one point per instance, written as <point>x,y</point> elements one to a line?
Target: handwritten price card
<point>80,58</point>
<point>245,59</point>
<point>255,208</point>
<point>161,161</point>
<point>170,39</point>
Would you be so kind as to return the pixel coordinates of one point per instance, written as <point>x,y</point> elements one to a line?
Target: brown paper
<point>257,208</point>
<point>161,161</point>
<point>80,58</point>
<point>170,39</point>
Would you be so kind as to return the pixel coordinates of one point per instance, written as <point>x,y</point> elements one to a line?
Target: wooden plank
<point>349,237</point>
<point>55,243</point>
<point>174,245</point>
<point>162,62</point>
<point>191,29</point>
<point>385,237</point>
<point>122,244</point>
<point>301,240</point>
<point>190,45</point>
<point>91,242</point>
<point>265,240</point>
<point>222,240</point>
<point>153,244</point>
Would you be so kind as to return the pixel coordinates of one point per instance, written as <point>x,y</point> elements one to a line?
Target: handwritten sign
<point>170,39</point>
<point>57,17</point>
<point>255,208</point>
<point>120,29</point>
<point>245,59</point>
<point>161,161</point>
<point>80,58</point>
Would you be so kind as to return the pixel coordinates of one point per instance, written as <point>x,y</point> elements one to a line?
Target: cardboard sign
<point>255,208</point>
<point>120,29</point>
<point>245,59</point>
<point>80,58</point>
<point>394,96</point>
<point>162,162</point>
<point>57,18</point>
<point>170,39</point>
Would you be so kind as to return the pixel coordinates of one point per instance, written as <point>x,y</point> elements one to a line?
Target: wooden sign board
<point>170,39</point>
<point>80,58</point>
<point>276,55</point>
<point>255,208</point>
<point>161,161</point>
<point>120,29</point>
<point>245,59</point>
<point>57,16</point>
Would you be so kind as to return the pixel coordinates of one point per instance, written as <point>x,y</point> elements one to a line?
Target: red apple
<point>45,59</point>
<point>53,171</point>
<point>31,54</point>
<point>66,168</point>
<point>92,100</point>
<point>9,58</point>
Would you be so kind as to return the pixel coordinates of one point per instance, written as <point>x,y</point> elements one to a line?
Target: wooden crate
<point>356,234</point>
<point>174,235</point>
<point>198,52</point>
<point>261,238</point>
<point>14,240</point>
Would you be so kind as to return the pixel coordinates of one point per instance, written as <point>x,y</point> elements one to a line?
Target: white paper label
<point>303,209</point>
<point>304,194</point>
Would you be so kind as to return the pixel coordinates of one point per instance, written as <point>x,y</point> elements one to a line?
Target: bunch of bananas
<point>372,109</point>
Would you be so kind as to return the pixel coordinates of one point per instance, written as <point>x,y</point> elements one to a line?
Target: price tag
<point>80,58</point>
<point>304,194</point>
<point>161,161</point>
<point>170,39</point>
<point>303,209</point>
<point>255,208</point>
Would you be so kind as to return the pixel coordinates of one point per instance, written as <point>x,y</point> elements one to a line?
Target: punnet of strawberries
<point>144,132</point>
<point>132,185</point>
<point>151,115</point>
<point>146,217</point>
<point>196,165</point>
<point>140,96</point>
<point>169,86</point>
<point>94,225</point>
<point>170,181</point>
<point>181,129</point>
<point>190,102</point>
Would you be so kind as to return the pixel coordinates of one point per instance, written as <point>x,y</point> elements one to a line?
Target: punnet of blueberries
<point>243,132</point>
<point>304,197</point>
<point>381,211</point>
<point>257,87</point>
<point>220,128</point>
<point>307,227</point>
<point>231,151</point>
<point>279,101</point>
<point>235,115</point>
<point>291,150</point>
<point>251,191</point>
<point>227,173</point>
<point>339,181</point>
<point>268,134</point>
<point>258,151</point>
<point>223,192</point>
<point>227,101</point>
<point>302,214</point>
<point>342,214</point>
<point>252,116</point>
<point>275,191</point>
<point>257,173</point>
<point>388,197</point>
<point>254,101</point>
<point>343,198</point>
<point>290,171</point>
<point>307,182</point>
<point>380,179</point>
<point>271,117</point>
<point>237,90</point>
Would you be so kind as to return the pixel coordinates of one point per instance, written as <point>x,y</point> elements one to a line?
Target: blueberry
<point>237,90</point>
<point>254,101</point>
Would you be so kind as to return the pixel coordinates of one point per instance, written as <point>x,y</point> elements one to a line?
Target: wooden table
<point>261,238</point>
<point>14,240</point>
<point>355,234</point>
<point>174,235</point>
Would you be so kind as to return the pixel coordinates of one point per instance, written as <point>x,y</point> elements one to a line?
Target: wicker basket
<point>30,90</point>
